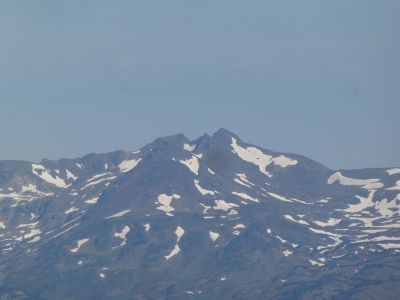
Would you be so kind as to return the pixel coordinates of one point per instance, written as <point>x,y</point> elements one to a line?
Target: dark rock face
<point>213,218</point>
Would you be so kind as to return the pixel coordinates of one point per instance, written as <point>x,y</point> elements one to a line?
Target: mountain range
<point>212,218</point>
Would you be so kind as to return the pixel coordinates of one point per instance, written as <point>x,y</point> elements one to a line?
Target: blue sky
<point>318,78</point>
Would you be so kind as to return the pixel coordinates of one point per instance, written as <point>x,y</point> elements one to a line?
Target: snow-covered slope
<point>211,218</point>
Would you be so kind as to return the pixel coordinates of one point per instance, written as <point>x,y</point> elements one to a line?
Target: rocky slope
<point>213,218</point>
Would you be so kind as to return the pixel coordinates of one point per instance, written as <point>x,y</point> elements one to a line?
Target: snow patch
<point>290,218</point>
<point>97,176</point>
<point>259,158</point>
<point>66,230</point>
<point>332,236</point>
<point>385,207</point>
<point>99,181</point>
<point>323,200</point>
<point>202,190</point>
<point>27,193</point>
<point>210,171</point>
<point>119,214</point>
<point>239,226</point>
<point>122,235</point>
<point>241,182</point>
<point>390,246</point>
<point>330,222</point>
<point>252,155</point>
<point>30,188</point>
<point>174,252</point>
<point>365,183</point>
<point>29,225</point>
<point>378,239</point>
<point>92,200</point>
<point>188,147</point>
<point>34,232</point>
<point>364,203</point>
<point>79,244</point>
<point>70,175</point>
<point>35,239</point>
<point>281,239</point>
<point>243,178</point>
<point>206,208</point>
<point>245,196</point>
<point>192,163</point>
<point>16,197</point>
<point>41,172</point>
<point>147,227</point>
<point>315,263</point>
<point>396,187</point>
<point>71,210</point>
<point>179,232</point>
<point>287,253</point>
<point>128,165</point>
<point>284,161</point>
<point>276,196</point>
<point>165,201</point>
<point>225,206</point>
<point>214,236</point>
<point>393,171</point>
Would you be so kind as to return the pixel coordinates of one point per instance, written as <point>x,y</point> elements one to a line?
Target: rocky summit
<point>212,218</point>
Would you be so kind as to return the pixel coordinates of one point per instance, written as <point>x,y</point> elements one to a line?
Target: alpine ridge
<point>212,218</point>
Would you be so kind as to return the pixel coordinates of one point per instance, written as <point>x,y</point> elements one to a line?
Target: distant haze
<point>316,78</point>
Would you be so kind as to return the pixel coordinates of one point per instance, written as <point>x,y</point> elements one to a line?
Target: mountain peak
<point>170,140</point>
<point>179,137</point>
<point>223,134</point>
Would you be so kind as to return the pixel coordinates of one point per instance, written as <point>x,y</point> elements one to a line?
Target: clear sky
<point>318,78</point>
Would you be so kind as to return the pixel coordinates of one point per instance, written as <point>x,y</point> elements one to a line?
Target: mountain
<point>213,218</point>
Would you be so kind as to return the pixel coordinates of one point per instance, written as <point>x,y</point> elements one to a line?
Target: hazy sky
<point>318,78</point>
